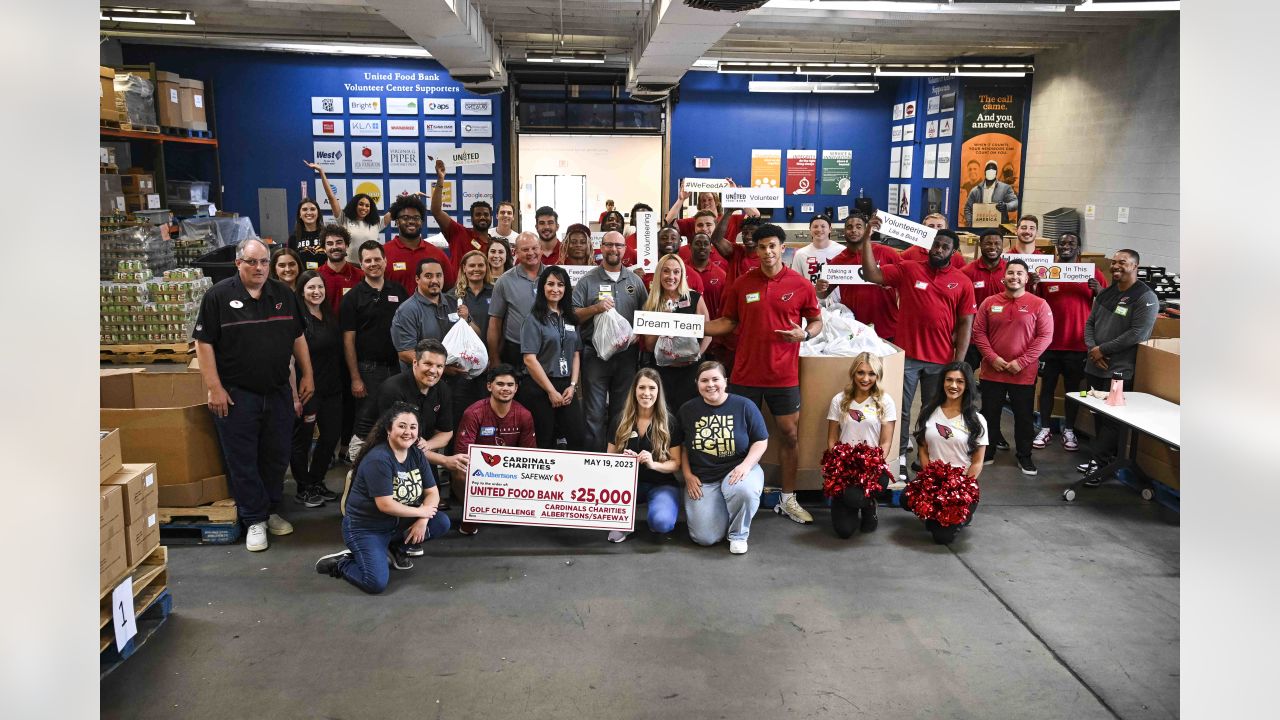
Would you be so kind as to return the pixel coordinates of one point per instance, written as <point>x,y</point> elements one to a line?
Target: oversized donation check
<point>554,488</point>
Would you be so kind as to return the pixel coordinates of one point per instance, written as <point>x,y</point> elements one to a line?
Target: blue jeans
<point>664,506</point>
<point>916,372</point>
<point>724,509</point>
<point>255,437</point>
<point>366,567</point>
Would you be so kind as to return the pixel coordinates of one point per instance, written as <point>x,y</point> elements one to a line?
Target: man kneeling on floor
<point>391,502</point>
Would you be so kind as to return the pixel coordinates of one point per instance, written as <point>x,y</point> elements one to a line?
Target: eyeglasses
<point>613,245</point>
<point>256,263</point>
<point>409,218</point>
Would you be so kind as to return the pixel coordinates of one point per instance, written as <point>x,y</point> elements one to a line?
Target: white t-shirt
<point>861,424</point>
<point>808,260</point>
<point>509,237</point>
<point>360,232</point>
<point>948,440</point>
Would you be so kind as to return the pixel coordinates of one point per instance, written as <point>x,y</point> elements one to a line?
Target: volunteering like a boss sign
<point>553,488</point>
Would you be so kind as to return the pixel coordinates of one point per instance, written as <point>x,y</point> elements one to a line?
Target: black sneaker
<point>413,550</point>
<point>1002,444</point>
<point>1085,468</point>
<point>1027,467</point>
<point>328,565</point>
<point>1094,481</point>
<point>915,466</point>
<point>869,519</point>
<point>323,491</point>
<point>397,558</point>
<point>308,497</point>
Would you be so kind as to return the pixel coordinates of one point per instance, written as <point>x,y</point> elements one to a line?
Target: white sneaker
<point>738,547</point>
<point>256,538</point>
<point>277,525</point>
<point>617,536</point>
<point>790,508</point>
<point>1042,438</point>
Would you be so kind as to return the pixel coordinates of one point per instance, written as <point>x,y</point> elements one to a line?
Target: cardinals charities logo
<point>492,460</point>
<point>946,432</point>
<point>857,415</point>
<point>786,297</point>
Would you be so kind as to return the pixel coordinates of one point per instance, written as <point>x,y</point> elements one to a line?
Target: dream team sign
<point>553,488</point>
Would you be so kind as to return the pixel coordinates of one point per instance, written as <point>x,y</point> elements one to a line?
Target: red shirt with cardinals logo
<point>915,253</point>
<point>762,305</point>
<point>714,284</point>
<point>985,282</point>
<point>929,303</point>
<point>871,304</point>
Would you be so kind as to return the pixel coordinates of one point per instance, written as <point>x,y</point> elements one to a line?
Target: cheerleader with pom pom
<point>863,417</point>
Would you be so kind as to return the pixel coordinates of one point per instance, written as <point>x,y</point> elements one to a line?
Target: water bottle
<point>1115,398</point>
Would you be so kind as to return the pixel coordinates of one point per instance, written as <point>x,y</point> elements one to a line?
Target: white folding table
<point>1141,413</point>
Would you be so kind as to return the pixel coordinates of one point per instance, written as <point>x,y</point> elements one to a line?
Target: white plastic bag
<point>465,349</point>
<point>842,335</point>
<point>670,351</point>
<point>611,334</point>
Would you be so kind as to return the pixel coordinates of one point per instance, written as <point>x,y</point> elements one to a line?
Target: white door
<point>566,193</point>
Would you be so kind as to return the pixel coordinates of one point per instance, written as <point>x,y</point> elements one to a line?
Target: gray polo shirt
<point>512,300</point>
<point>554,342</point>
<point>418,319</point>
<point>628,294</point>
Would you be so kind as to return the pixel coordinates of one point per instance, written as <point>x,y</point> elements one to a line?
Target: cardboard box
<point>107,94</point>
<point>113,557</point>
<point>138,483</point>
<point>1158,373</point>
<point>109,455</point>
<point>200,492</point>
<point>163,418</point>
<point>136,183</point>
<point>141,537</point>
<point>169,98</point>
<point>1167,328</point>
<point>191,97</point>
<point>820,379</point>
<point>110,511</point>
<point>142,202</point>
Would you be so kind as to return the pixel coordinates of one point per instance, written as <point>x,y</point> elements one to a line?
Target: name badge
<point>980,284</point>
<point>606,291</point>
<point>488,431</point>
<point>313,265</point>
<point>1121,310</point>
<point>393,298</point>
<point>399,266</point>
<point>922,285</point>
<point>997,308</point>
<point>346,290</point>
<point>571,328</point>
<point>753,297</point>
<point>453,317</point>
<point>1053,288</point>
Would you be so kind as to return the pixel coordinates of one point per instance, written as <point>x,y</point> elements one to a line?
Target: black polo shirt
<point>435,409</point>
<point>368,313</point>
<point>252,338</point>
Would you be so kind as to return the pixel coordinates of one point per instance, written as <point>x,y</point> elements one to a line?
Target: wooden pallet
<point>112,123</point>
<point>150,577</point>
<point>149,620</point>
<point>131,127</point>
<point>199,533</point>
<point>223,511</point>
<point>146,353</point>
<point>185,132</point>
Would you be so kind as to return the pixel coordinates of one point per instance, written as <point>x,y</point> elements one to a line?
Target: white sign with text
<point>647,240</point>
<point>905,230</point>
<point>550,488</point>
<point>671,324</point>
<point>843,274</point>
<point>751,197</point>
<point>712,185</point>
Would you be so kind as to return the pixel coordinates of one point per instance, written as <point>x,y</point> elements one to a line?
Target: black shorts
<point>781,400</point>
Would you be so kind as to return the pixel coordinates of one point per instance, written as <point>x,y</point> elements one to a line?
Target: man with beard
<point>987,272</point>
<point>547,223</point>
<point>707,202</point>
<point>776,309</point>
<point>605,383</point>
<point>871,304</point>
<point>428,314</point>
<point>935,318</point>
<point>668,243</point>
<point>739,257</point>
<point>991,190</point>
<point>1010,331</point>
<point>408,247</point>
<point>462,239</point>
<point>713,278</point>
<point>704,223</point>
<point>339,275</point>
<point>915,253</point>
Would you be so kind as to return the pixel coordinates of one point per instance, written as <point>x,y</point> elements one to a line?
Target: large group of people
<point>304,351</point>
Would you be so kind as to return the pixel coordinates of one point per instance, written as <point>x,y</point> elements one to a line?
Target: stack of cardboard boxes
<point>127,517</point>
<point>112,552</point>
<point>139,187</point>
<point>181,102</point>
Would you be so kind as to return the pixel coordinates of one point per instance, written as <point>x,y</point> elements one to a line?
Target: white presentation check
<point>672,324</point>
<point>552,488</point>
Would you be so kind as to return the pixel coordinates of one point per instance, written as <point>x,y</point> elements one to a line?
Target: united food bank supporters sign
<point>553,488</point>
<point>400,81</point>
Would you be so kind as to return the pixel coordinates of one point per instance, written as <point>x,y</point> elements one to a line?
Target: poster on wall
<point>801,171</point>
<point>364,106</point>
<point>909,109</point>
<point>366,157</point>
<point>437,151</point>
<point>477,128</point>
<point>933,106</point>
<point>476,191</point>
<point>403,158</point>
<point>945,126</point>
<point>329,128</point>
<point>908,157</point>
<point>371,187</point>
<point>931,130</point>
<point>366,128</point>
<point>484,150</point>
<point>909,131</point>
<point>438,106</point>
<point>328,105</point>
<point>766,168</point>
<point>837,165</point>
<point>446,196</point>
<point>332,156</point>
<point>402,106</point>
<point>904,201</point>
<point>402,127</point>
<point>439,128</point>
<point>944,162</point>
<point>948,102</point>
<point>897,111</point>
<point>895,162</point>
<point>475,106</point>
<point>893,196</point>
<point>930,161</point>
<point>895,135</point>
<point>992,135</point>
<point>402,186</point>
<point>339,188</point>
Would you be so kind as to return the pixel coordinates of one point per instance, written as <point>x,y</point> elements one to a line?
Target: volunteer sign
<point>670,324</point>
<point>843,274</point>
<point>905,230</point>
<point>751,197</point>
<point>647,240</point>
<point>552,488</point>
<point>694,185</point>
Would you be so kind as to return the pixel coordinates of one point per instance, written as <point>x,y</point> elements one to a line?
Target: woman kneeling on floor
<point>861,413</point>
<point>723,437</point>
<point>391,502</point>
<point>644,431</point>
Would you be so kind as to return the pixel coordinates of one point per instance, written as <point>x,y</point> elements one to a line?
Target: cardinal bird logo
<point>493,460</point>
<point>786,297</point>
<point>857,415</point>
<point>946,432</point>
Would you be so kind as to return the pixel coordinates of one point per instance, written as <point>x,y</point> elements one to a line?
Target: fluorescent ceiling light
<point>993,70</point>
<point>582,60</point>
<point>1091,6</point>
<point>579,57</point>
<point>846,87</point>
<point>146,15</point>
<point>339,49</point>
<point>754,67</point>
<point>961,7</point>
<point>913,70</point>
<point>806,87</point>
<point>836,69</point>
<point>779,86</point>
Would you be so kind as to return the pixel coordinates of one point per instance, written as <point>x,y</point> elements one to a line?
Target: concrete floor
<point>1042,609</point>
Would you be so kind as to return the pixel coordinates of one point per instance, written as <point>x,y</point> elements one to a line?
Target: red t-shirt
<point>985,282</point>
<point>1070,303</point>
<point>695,281</point>
<point>686,254</point>
<point>336,284</point>
<point>762,305</point>
<point>915,253</point>
<point>872,304</point>
<point>463,240</point>
<point>714,283</point>
<point>480,425</point>
<point>402,263</point>
<point>740,262</point>
<point>552,257</point>
<point>929,301</point>
<point>1014,329</point>
<point>731,229</point>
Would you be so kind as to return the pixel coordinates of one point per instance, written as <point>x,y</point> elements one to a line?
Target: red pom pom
<point>848,465</point>
<point>942,493</point>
